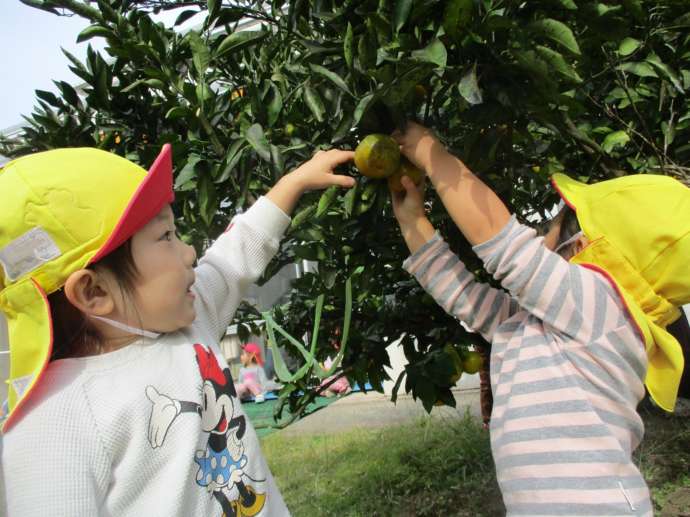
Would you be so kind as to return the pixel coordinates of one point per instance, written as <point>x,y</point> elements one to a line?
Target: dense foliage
<point>518,90</point>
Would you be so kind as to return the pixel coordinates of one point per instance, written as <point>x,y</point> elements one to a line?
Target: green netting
<point>261,415</point>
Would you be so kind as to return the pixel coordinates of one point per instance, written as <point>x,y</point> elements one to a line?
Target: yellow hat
<point>62,210</point>
<point>638,229</point>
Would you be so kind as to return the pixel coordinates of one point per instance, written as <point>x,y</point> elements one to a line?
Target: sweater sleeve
<point>440,272</point>
<point>567,297</point>
<point>235,261</point>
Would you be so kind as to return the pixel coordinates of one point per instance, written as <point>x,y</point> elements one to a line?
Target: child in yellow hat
<point>120,402</point>
<point>577,332</point>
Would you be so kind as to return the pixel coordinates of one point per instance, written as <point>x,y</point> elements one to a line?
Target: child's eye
<point>168,236</point>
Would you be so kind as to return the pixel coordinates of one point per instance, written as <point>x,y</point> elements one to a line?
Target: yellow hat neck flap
<point>639,232</point>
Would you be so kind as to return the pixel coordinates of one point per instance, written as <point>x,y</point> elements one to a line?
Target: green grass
<point>432,467</point>
<point>664,459</point>
<point>441,467</point>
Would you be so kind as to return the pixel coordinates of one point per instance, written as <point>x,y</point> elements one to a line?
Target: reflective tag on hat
<point>20,384</point>
<point>26,253</point>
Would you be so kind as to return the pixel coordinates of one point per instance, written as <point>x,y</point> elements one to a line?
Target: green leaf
<point>665,70</point>
<point>69,93</point>
<point>530,61</point>
<point>628,46</point>
<point>638,68</point>
<point>155,83</point>
<point>257,139</point>
<point>400,14</point>
<point>366,51</point>
<point>93,31</point>
<point>343,128</point>
<point>615,139</point>
<point>177,112</point>
<point>557,32</point>
<point>557,62</point>
<point>184,16</point>
<point>201,55</point>
<point>207,196</point>
<point>568,4</point>
<point>188,172</point>
<point>275,105</point>
<point>326,200</point>
<point>456,17</point>
<point>229,15</point>
<point>435,52</point>
<point>669,132</point>
<point>349,45</point>
<point>604,9</point>
<point>396,387</point>
<point>231,158</point>
<point>277,160</point>
<point>349,200</point>
<point>361,108</point>
<point>424,390</point>
<point>331,76</point>
<point>239,40</point>
<point>469,88</point>
<point>49,97</point>
<point>302,216</point>
<point>635,8</point>
<point>314,102</point>
<point>131,87</point>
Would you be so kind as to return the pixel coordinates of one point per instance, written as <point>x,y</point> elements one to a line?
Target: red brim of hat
<point>153,194</point>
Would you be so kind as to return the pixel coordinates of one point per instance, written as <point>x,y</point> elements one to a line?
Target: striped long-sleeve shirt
<point>567,372</point>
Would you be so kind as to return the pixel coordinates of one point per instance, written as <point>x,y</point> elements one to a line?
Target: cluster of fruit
<point>467,361</point>
<point>378,156</point>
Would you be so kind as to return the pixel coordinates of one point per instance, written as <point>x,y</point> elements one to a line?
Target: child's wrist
<point>417,232</point>
<point>294,182</point>
<point>429,150</point>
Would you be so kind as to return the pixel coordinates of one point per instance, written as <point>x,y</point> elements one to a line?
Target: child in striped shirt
<point>572,346</point>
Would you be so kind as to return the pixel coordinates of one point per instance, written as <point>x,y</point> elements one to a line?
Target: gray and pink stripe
<point>567,372</point>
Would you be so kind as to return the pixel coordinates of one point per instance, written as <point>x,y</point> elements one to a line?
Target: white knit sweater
<point>153,429</point>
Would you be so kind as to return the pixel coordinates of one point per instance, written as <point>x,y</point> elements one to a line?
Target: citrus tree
<point>518,90</point>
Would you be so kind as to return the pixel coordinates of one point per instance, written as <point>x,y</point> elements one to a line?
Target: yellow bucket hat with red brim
<point>61,211</point>
<point>638,229</point>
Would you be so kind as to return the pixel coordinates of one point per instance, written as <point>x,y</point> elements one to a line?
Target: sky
<point>31,57</point>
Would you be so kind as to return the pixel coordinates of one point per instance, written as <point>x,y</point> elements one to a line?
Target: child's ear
<point>88,292</point>
<point>580,244</point>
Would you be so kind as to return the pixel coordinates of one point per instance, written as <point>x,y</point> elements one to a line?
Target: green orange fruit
<point>472,362</point>
<point>377,156</point>
<point>406,169</point>
<point>457,362</point>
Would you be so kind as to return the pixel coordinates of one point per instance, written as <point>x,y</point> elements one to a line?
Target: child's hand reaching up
<point>317,173</point>
<point>408,207</point>
<point>418,144</point>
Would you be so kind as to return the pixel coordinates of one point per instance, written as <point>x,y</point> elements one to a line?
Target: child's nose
<point>190,254</point>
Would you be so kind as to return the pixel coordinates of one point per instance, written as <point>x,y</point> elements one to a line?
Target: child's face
<point>165,266</point>
<point>245,358</point>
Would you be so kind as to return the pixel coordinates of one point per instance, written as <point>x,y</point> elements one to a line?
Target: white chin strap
<point>127,328</point>
<point>569,241</point>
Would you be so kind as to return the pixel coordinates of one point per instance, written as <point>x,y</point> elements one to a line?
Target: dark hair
<point>569,224</point>
<point>569,227</point>
<point>73,334</point>
<point>680,329</point>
